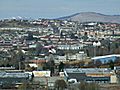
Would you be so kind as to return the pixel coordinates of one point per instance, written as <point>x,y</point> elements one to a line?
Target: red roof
<point>38,61</point>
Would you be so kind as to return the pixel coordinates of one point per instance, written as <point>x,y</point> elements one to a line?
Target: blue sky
<point>56,8</point>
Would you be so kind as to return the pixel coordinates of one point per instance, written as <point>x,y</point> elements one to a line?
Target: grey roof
<point>88,70</point>
<point>13,75</point>
<point>80,74</point>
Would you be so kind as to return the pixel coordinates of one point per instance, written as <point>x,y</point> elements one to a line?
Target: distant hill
<point>92,16</point>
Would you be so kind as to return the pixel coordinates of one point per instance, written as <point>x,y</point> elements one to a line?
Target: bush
<point>88,86</point>
<point>60,84</point>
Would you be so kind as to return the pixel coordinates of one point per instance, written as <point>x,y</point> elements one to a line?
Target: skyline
<point>56,8</point>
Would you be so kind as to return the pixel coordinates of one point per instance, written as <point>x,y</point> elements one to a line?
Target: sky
<point>56,8</point>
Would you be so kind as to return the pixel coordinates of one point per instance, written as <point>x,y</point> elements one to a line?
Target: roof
<point>88,74</point>
<point>106,56</point>
<point>88,70</point>
<point>33,65</point>
<point>13,75</point>
<point>38,61</point>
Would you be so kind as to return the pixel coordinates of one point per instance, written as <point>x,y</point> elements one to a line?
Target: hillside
<point>92,16</point>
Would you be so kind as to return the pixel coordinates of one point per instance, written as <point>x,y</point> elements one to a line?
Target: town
<point>48,54</point>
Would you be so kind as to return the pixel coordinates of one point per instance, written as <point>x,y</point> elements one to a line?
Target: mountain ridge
<point>92,16</point>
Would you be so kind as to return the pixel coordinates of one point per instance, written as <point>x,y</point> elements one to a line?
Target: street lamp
<point>96,44</point>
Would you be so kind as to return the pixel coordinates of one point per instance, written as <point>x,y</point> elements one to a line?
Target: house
<point>13,77</point>
<point>99,75</point>
<point>106,58</point>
